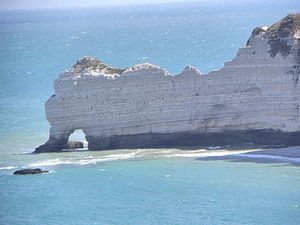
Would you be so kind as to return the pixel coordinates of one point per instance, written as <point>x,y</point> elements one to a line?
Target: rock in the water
<point>75,144</point>
<point>29,171</point>
<point>254,98</point>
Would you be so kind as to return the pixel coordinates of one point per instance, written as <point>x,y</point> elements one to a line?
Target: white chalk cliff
<point>253,98</point>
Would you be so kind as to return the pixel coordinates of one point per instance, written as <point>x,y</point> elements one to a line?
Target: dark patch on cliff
<point>279,46</point>
<point>264,137</point>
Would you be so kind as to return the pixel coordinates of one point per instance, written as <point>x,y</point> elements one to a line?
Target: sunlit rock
<point>255,98</point>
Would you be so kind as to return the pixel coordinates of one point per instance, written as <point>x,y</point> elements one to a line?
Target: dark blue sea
<point>142,186</point>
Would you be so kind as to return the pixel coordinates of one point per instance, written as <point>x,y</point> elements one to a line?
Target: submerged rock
<point>254,98</point>
<point>29,171</point>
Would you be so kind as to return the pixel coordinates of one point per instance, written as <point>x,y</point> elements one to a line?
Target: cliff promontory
<point>255,98</point>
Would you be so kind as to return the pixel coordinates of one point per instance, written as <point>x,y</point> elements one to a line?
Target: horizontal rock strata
<point>255,98</point>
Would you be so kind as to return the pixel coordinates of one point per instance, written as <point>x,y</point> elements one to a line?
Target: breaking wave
<point>208,153</point>
<point>82,161</point>
<point>7,168</point>
<point>136,154</point>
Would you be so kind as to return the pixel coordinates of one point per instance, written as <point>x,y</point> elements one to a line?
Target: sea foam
<point>7,168</point>
<point>82,161</point>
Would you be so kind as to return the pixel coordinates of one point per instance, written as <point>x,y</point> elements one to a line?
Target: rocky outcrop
<point>255,98</point>
<point>29,171</point>
<point>279,35</point>
<point>75,144</point>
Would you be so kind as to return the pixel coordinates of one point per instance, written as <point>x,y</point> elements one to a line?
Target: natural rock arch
<point>63,139</point>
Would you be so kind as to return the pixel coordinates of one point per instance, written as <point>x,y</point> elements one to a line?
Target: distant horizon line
<point>111,5</point>
<point>132,4</point>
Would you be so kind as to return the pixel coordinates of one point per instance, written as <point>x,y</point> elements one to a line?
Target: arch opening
<point>75,140</point>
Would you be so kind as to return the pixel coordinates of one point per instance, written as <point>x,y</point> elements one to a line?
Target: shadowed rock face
<point>254,98</point>
<point>264,138</point>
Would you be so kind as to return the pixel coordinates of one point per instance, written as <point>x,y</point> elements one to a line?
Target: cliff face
<point>253,98</point>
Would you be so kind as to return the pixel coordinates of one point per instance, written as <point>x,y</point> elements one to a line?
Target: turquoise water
<point>173,191</point>
<point>36,45</point>
<point>166,186</point>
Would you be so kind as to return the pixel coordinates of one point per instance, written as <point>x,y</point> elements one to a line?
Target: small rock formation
<point>75,144</point>
<point>255,98</point>
<point>29,171</point>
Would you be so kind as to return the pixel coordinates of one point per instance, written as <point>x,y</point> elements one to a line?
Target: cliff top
<point>93,67</point>
<point>288,26</point>
<point>277,35</point>
<point>89,65</point>
<point>146,67</point>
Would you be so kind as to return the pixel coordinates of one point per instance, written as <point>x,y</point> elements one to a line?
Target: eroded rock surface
<point>254,98</point>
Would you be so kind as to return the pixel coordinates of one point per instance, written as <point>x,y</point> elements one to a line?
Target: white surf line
<point>209,153</point>
<point>83,161</point>
<point>7,168</point>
